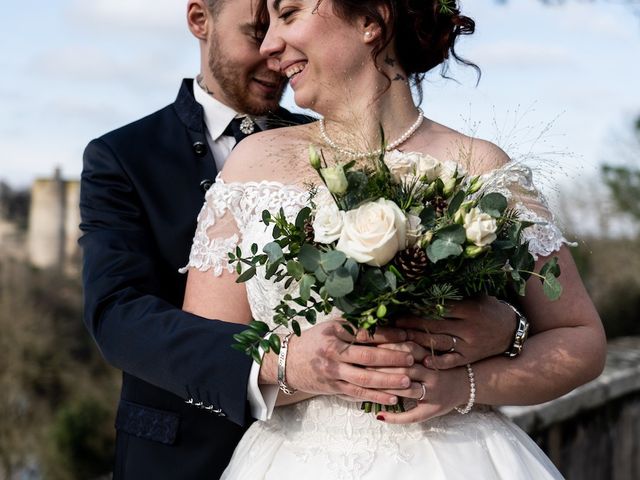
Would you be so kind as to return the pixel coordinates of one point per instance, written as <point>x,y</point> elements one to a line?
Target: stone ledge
<point>621,376</point>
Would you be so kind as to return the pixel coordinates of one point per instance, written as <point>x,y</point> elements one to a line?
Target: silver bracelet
<point>472,392</point>
<point>282,365</point>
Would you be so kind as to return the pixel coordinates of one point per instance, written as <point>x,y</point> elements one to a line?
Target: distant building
<point>53,230</point>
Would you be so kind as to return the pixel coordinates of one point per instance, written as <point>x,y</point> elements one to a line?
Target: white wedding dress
<point>329,438</point>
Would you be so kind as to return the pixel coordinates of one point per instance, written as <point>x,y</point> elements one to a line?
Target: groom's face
<point>242,79</point>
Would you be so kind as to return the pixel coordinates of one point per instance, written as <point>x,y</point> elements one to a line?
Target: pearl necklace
<point>356,155</point>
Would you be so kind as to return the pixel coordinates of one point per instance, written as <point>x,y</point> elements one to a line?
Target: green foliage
<point>77,434</point>
<point>49,366</point>
<point>624,185</point>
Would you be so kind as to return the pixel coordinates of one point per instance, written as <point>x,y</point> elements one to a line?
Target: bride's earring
<point>368,35</point>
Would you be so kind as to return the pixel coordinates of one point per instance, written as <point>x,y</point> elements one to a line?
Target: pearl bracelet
<point>282,364</point>
<point>472,392</point>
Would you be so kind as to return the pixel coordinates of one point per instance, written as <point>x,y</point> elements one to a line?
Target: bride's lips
<point>294,71</point>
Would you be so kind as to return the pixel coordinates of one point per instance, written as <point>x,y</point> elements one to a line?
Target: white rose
<point>428,167</point>
<point>480,227</point>
<point>373,233</point>
<point>451,170</point>
<point>401,165</point>
<point>414,229</point>
<point>335,179</point>
<point>327,223</point>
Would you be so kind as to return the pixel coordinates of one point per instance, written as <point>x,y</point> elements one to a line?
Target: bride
<point>354,62</point>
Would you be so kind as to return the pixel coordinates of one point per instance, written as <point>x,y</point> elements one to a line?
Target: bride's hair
<point>424,31</point>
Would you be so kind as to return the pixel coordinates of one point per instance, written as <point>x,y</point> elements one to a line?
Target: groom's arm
<point>136,330</point>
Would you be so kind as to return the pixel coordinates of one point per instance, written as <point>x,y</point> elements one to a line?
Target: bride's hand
<point>441,392</point>
<point>473,329</point>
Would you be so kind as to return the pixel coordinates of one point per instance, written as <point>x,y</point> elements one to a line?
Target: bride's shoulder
<point>477,155</point>
<point>268,155</point>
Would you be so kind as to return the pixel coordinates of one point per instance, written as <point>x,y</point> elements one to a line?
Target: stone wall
<point>53,223</point>
<point>593,433</point>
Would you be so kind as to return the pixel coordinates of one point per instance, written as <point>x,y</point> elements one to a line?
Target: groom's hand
<point>326,359</point>
<point>472,330</point>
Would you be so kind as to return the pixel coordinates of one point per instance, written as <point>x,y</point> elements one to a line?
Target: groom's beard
<point>235,80</point>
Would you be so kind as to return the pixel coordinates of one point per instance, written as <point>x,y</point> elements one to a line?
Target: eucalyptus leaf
<point>392,280</point>
<point>552,287</point>
<point>309,257</point>
<point>331,260</point>
<point>266,217</point>
<point>374,280</point>
<point>339,283</point>
<point>273,251</point>
<point>493,204</point>
<point>441,249</point>
<point>428,217</point>
<point>295,269</point>
<point>353,268</point>
<point>452,234</point>
<point>306,282</point>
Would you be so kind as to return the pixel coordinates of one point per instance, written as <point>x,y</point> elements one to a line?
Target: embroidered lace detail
<point>239,207</point>
<point>515,182</point>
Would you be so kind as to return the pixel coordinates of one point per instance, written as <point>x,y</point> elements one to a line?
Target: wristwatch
<point>521,334</point>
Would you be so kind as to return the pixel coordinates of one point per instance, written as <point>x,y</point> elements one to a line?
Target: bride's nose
<point>272,46</point>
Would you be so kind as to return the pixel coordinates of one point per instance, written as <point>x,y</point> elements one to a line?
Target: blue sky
<point>74,69</point>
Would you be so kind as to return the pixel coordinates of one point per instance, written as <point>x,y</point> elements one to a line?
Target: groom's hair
<point>215,6</point>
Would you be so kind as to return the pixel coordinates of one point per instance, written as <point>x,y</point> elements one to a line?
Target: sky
<point>559,80</point>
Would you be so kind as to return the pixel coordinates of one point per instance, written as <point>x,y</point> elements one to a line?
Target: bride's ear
<point>371,28</point>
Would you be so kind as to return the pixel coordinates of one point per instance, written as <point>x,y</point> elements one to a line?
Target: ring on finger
<point>455,342</point>
<point>424,392</point>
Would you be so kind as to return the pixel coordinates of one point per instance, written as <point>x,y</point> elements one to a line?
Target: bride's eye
<point>286,13</point>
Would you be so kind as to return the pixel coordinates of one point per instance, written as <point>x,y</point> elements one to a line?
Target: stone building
<point>54,217</point>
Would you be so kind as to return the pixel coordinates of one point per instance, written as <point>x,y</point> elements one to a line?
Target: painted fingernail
<point>394,400</point>
<point>406,382</point>
<point>409,360</point>
<point>380,417</point>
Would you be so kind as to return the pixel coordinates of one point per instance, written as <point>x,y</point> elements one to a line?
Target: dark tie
<point>233,129</point>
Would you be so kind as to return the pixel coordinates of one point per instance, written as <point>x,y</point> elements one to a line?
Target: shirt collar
<point>217,115</point>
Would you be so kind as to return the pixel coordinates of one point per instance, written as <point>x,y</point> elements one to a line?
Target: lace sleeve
<point>515,182</point>
<point>217,233</point>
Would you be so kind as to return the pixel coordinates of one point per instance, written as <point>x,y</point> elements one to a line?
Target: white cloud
<point>521,54</point>
<point>130,15</point>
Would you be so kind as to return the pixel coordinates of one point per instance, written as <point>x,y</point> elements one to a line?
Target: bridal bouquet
<point>403,233</point>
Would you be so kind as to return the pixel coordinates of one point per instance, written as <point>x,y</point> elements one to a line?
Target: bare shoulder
<point>269,155</point>
<point>477,155</point>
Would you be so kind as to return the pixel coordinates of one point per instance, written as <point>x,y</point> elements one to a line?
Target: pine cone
<point>309,233</point>
<point>412,263</point>
<point>440,204</point>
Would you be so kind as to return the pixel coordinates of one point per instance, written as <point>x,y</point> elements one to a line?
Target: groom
<point>186,396</point>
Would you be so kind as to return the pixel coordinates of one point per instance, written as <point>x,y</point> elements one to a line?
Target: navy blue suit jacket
<point>141,190</point>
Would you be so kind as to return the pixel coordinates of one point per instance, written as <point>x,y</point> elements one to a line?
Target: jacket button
<point>205,185</point>
<point>200,149</point>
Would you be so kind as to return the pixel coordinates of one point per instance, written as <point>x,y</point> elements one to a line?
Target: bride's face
<point>322,54</point>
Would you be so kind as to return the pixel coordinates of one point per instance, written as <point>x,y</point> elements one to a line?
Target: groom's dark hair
<point>214,6</point>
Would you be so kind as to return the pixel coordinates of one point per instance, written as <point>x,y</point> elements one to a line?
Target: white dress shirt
<point>217,116</point>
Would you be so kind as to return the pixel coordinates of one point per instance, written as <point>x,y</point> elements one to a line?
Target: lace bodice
<point>350,438</point>
<point>232,211</point>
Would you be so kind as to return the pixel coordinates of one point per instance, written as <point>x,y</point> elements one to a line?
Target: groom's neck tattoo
<point>390,61</point>
<point>399,78</point>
